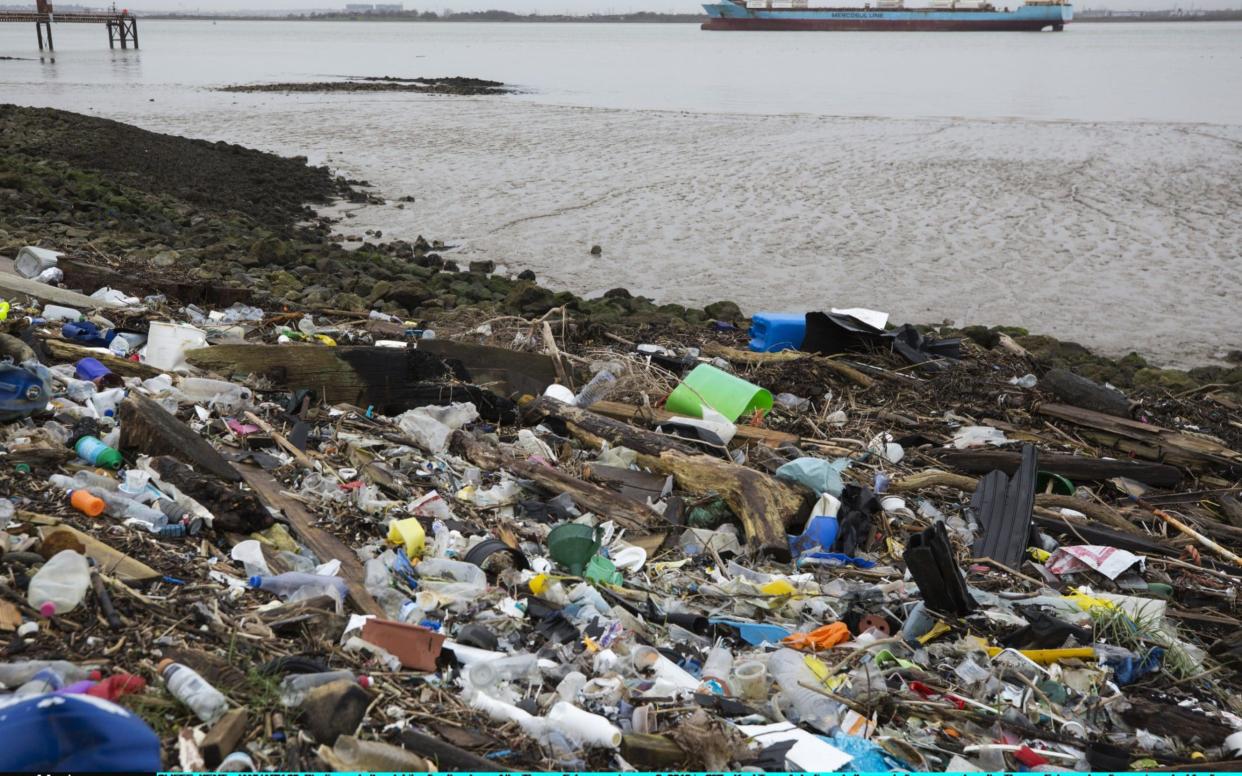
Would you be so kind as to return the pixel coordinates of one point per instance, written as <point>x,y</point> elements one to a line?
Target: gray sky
<point>571,6</point>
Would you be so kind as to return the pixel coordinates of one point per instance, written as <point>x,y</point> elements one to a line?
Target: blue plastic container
<point>771,332</point>
<point>821,531</point>
<point>22,392</point>
<point>85,333</point>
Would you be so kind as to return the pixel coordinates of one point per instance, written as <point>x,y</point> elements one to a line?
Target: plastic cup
<point>729,395</point>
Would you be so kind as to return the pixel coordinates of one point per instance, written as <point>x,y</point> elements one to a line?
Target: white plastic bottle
<point>295,688</point>
<point>207,703</point>
<point>717,669</point>
<point>61,584</point>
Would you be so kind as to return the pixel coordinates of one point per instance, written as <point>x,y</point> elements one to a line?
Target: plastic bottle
<point>285,585</point>
<point>118,506</point>
<point>376,756</point>
<point>237,762</point>
<point>105,402</point>
<point>716,670</point>
<point>295,688</point>
<point>47,680</point>
<point>207,703</point>
<point>600,386</point>
<point>94,451</point>
<point>7,513</point>
<point>487,674</point>
<point>60,584</point>
<point>16,674</point>
<point>135,486</point>
<point>468,580</point>
<point>790,670</point>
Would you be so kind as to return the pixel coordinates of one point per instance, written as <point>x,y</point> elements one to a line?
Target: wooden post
<point>133,30</point>
<point>39,32</point>
<point>50,45</point>
<point>111,42</point>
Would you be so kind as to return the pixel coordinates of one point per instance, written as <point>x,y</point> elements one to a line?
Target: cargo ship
<point>957,15</point>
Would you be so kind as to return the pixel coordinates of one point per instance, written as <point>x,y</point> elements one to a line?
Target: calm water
<point>1085,184</point>
<point>1138,72</point>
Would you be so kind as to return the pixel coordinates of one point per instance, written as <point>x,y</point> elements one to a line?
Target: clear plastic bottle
<point>717,669</point>
<point>295,688</point>
<point>7,513</point>
<point>123,508</point>
<point>60,584</point>
<point>207,703</point>
<point>285,585</point>
<point>135,486</point>
<point>789,669</point>
<point>599,387</point>
<point>18,673</point>
<point>47,680</point>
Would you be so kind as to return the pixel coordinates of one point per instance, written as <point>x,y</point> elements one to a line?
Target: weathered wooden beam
<point>16,285</point>
<point>149,428</point>
<point>1149,440</point>
<point>1079,391</point>
<point>1075,467</point>
<point>390,379</point>
<point>323,544</point>
<point>224,736</point>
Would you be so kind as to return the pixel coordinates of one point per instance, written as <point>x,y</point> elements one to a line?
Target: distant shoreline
<point>634,18</point>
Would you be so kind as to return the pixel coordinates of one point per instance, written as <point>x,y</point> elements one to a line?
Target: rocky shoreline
<point>240,221</point>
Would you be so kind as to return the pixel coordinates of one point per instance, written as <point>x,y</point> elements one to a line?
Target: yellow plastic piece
<point>778,587</point>
<point>1090,602</point>
<point>1040,555</point>
<point>278,537</point>
<point>410,533</point>
<point>538,584</point>
<point>820,669</point>
<point>1046,657</point>
<point>937,630</point>
<point>325,339</point>
<point>4,310</point>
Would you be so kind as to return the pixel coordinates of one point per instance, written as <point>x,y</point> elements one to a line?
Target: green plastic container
<point>572,545</point>
<point>731,396</point>
<point>602,570</point>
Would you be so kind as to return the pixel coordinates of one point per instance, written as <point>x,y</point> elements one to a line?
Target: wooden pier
<point>122,27</point>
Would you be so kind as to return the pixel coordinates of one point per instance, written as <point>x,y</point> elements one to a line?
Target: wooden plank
<point>504,371</point>
<point>150,429</point>
<point>1075,467</point>
<point>323,544</point>
<point>650,415</point>
<point>16,285</point>
<point>10,617</point>
<point>224,736</point>
<point>111,561</point>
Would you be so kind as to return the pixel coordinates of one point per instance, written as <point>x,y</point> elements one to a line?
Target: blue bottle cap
<point>256,580</point>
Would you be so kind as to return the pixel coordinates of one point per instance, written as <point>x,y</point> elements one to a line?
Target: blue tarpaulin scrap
<point>74,733</point>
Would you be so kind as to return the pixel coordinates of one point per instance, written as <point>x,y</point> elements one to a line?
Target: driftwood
<point>1073,466</point>
<point>930,478</point>
<point>323,544</point>
<point>150,429</point>
<point>748,357</point>
<point>391,380</point>
<point>762,503</point>
<point>224,736</point>
<point>1147,440</point>
<point>64,350</point>
<point>628,513</point>
<point>651,415</point>
<point>1089,395</point>
<point>17,286</point>
<point>447,757</point>
<point>233,508</point>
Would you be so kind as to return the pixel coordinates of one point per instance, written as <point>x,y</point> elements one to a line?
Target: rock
<point>270,249</point>
<point>165,259</point>
<point>1170,380</point>
<point>379,290</point>
<point>485,267</point>
<point>723,311</point>
<point>1234,356</point>
<point>530,299</point>
<point>408,294</point>
<point>527,274</point>
<point>349,302</point>
<point>596,250</point>
<point>335,709</point>
<point>617,293</point>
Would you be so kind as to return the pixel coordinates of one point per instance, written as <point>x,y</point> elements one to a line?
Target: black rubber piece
<point>929,557</point>
<point>485,549</point>
<point>1003,507</point>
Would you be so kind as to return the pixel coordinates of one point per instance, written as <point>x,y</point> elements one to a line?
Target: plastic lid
<point>47,609</point>
<point>163,665</point>
<point>364,680</point>
<point>256,581</point>
<point>110,459</point>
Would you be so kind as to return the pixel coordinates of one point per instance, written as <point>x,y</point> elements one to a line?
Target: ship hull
<point>1028,18</point>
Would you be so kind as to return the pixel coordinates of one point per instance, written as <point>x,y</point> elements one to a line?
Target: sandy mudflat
<point>1122,236</point>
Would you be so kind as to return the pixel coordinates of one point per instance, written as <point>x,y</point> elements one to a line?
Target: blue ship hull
<point>727,15</point>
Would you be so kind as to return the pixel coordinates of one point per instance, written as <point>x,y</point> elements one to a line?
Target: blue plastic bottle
<point>94,451</point>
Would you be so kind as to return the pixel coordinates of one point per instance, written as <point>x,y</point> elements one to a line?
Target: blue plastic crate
<point>771,332</point>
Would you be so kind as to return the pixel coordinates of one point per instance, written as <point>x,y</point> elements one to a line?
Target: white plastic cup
<point>751,680</point>
<point>560,393</point>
